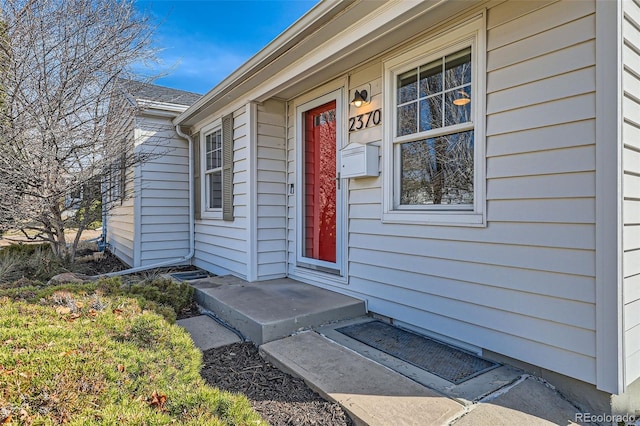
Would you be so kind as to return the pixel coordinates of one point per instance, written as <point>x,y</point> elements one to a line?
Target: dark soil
<point>190,311</point>
<point>101,263</point>
<point>280,398</point>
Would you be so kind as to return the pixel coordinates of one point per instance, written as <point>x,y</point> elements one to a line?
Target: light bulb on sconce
<point>359,98</point>
<point>462,101</point>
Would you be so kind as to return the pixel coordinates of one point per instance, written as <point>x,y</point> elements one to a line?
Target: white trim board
<point>610,375</point>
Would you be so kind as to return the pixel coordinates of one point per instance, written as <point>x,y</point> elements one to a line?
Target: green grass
<point>82,356</point>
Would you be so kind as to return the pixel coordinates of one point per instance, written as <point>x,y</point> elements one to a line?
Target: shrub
<point>162,296</point>
<point>94,225</point>
<point>23,249</point>
<point>165,291</point>
<point>33,261</point>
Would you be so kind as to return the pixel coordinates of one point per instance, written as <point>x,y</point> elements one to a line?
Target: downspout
<point>189,255</point>
<point>102,240</point>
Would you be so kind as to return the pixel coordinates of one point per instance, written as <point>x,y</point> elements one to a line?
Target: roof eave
<point>162,106</point>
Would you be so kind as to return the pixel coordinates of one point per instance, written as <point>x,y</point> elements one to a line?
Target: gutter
<point>189,255</point>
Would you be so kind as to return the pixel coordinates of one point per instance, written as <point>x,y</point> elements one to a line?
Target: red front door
<point>320,218</point>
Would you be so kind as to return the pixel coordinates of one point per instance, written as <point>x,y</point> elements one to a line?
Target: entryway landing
<point>269,310</point>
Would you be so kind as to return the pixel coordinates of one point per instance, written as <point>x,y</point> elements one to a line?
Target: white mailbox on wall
<point>358,160</point>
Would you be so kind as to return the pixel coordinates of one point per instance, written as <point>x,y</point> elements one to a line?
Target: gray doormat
<point>447,362</point>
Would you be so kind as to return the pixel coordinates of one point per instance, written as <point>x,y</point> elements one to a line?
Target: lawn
<point>102,353</point>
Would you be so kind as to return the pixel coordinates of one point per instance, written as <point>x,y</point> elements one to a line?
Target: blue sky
<point>204,41</point>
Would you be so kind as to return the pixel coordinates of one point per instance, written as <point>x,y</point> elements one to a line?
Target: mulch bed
<point>280,398</point>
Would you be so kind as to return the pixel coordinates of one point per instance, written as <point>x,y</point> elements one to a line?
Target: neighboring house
<point>487,191</point>
<point>147,204</point>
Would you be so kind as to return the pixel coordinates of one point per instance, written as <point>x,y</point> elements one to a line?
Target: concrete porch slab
<point>269,310</point>
<point>371,393</point>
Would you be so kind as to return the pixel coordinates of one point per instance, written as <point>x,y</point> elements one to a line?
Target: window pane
<point>437,170</point>
<point>215,189</point>
<point>408,86</point>
<point>431,78</point>
<point>458,69</point>
<point>218,139</point>
<point>407,117</point>
<point>216,160</point>
<point>458,106</point>
<point>209,143</point>
<point>214,150</point>
<point>431,113</point>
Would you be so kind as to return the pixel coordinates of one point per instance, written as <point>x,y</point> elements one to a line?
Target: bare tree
<point>63,122</point>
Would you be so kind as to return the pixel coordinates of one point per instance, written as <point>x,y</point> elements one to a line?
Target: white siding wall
<point>164,196</point>
<point>272,190</point>
<point>120,226</point>
<point>221,246</point>
<point>631,187</point>
<point>120,217</point>
<point>524,286</point>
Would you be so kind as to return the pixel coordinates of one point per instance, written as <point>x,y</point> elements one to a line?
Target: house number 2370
<point>368,119</point>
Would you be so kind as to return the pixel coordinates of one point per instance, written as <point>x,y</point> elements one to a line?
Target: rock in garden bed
<point>280,398</point>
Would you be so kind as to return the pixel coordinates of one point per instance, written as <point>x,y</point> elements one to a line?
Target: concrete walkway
<point>375,395</point>
<point>206,333</point>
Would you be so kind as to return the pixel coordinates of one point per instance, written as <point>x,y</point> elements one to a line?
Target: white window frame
<point>472,33</point>
<point>208,212</point>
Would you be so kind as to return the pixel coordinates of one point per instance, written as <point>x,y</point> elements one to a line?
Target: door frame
<point>337,269</point>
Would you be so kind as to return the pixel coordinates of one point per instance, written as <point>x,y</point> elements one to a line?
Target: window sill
<point>211,214</point>
<point>442,218</point>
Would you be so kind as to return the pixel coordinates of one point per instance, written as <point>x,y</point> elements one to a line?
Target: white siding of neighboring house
<point>524,286</point>
<point>631,187</point>
<point>221,246</point>
<point>271,188</point>
<point>162,211</point>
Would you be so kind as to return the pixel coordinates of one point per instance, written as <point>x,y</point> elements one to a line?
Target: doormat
<point>447,362</point>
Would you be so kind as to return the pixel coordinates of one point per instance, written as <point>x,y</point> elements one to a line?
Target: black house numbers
<point>363,121</point>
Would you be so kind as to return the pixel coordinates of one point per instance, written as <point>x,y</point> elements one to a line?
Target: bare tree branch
<point>63,119</point>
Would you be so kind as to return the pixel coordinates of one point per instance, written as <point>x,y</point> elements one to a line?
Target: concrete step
<point>207,333</point>
<point>371,393</point>
<point>269,310</point>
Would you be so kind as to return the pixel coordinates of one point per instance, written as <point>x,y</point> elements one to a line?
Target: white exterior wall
<point>120,226</point>
<point>120,218</point>
<point>271,190</point>
<point>221,246</point>
<point>524,286</point>
<point>162,204</point>
<point>631,187</point>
